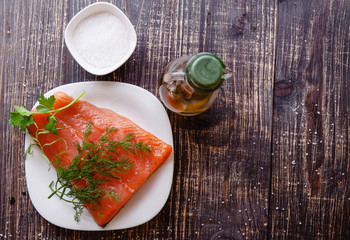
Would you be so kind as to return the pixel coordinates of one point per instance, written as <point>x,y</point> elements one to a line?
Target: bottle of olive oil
<point>189,85</point>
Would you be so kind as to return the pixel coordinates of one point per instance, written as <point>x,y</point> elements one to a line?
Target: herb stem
<point>96,162</point>
<point>64,107</point>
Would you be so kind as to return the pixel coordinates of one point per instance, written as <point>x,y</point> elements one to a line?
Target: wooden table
<point>270,159</point>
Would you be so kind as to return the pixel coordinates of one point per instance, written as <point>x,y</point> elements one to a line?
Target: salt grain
<point>101,39</point>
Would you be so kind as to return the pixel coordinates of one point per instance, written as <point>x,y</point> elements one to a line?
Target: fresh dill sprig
<point>24,118</point>
<point>95,163</point>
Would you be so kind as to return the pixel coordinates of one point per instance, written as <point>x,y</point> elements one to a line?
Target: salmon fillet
<point>72,122</point>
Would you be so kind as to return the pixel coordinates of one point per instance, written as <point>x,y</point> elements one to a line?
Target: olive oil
<point>189,85</point>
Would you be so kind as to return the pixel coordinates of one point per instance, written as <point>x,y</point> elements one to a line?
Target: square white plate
<point>145,110</point>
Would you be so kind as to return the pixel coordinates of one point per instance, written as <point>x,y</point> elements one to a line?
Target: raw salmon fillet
<point>73,122</point>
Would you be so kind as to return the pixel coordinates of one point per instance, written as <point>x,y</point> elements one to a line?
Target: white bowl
<point>100,38</point>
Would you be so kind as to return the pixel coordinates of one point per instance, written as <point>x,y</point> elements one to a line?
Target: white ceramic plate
<point>145,110</point>
<point>125,38</point>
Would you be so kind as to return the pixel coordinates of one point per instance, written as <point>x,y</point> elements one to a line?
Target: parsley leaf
<point>21,120</point>
<point>22,110</point>
<point>51,124</point>
<point>24,118</point>
<point>45,104</point>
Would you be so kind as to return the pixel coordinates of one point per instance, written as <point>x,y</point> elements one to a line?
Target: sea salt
<point>101,39</point>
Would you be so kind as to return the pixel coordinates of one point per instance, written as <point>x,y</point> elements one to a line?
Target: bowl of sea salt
<point>100,38</point>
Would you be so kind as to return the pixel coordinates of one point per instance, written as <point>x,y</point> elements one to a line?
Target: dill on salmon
<point>94,164</point>
<point>101,157</point>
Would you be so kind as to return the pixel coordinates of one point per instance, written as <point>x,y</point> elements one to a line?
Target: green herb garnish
<point>95,163</point>
<point>24,118</point>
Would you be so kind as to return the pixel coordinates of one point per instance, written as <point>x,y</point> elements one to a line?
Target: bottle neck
<point>205,72</point>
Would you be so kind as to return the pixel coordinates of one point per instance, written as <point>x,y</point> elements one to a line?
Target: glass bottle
<point>190,84</point>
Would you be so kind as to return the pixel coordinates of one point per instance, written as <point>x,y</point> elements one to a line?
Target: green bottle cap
<point>204,72</point>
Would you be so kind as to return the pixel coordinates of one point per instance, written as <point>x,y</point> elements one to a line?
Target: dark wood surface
<point>270,159</point>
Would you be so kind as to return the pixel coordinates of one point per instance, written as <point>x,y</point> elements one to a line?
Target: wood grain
<point>31,62</point>
<point>310,164</point>
<point>269,160</point>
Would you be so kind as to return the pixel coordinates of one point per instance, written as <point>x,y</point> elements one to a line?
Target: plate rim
<point>169,161</point>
